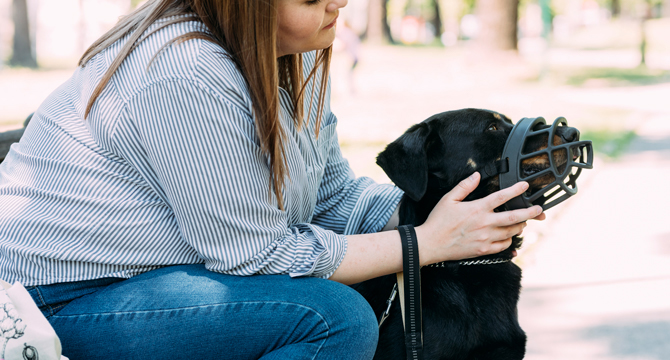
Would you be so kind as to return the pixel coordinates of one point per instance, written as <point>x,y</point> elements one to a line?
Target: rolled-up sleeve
<point>199,152</point>
<point>350,205</point>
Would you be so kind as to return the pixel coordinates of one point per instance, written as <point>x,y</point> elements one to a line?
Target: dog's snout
<point>576,153</point>
<point>570,134</point>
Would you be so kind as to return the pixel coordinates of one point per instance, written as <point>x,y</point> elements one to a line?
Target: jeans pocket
<point>42,305</point>
<point>57,307</point>
<point>51,299</point>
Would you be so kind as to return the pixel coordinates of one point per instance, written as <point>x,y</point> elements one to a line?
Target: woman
<point>195,143</point>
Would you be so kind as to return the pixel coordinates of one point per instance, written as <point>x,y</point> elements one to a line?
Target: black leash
<point>410,290</point>
<point>408,285</point>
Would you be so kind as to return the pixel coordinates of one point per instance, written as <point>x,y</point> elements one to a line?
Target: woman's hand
<point>458,230</point>
<point>454,230</point>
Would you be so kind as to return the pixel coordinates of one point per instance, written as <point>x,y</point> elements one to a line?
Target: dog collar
<point>394,291</point>
<point>472,262</point>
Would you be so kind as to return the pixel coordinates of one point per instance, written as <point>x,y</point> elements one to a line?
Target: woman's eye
<point>313,2</point>
<point>492,127</point>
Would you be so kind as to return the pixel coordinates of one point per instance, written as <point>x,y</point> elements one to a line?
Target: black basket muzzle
<point>564,184</point>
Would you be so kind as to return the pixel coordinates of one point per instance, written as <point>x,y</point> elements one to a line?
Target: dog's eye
<point>492,127</point>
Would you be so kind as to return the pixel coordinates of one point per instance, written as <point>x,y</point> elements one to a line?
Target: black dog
<point>469,311</point>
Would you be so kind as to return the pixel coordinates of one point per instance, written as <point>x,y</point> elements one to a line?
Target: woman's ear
<point>406,163</point>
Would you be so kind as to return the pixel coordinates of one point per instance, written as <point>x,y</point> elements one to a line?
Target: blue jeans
<point>188,312</point>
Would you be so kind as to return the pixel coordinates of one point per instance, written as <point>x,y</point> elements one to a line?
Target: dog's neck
<point>412,212</point>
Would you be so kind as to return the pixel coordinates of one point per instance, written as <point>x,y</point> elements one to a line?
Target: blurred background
<point>597,271</point>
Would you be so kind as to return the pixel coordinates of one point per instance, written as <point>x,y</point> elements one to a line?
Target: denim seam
<point>55,316</point>
<point>323,320</point>
<point>57,308</point>
<point>323,342</point>
<point>39,293</point>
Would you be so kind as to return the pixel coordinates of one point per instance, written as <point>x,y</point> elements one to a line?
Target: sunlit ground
<point>597,272</point>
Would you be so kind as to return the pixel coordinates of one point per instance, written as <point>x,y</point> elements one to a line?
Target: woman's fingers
<point>496,247</point>
<point>501,245</point>
<point>501,239</point>
<point>464,188</point>
<point>507,218</point>
<point>500,197</point>
<point>497,239</point>
<point>540,217</point>
<point>506,232</point>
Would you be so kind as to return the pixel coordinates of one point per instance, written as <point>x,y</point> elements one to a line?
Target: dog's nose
<point>570,134</point>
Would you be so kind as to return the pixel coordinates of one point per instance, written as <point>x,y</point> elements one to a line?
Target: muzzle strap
<point>493,169</point>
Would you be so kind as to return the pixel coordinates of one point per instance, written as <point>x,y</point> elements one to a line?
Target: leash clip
<point>389,303</point>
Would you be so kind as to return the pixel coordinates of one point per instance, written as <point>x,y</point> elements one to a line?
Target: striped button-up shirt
<point>167,169</point>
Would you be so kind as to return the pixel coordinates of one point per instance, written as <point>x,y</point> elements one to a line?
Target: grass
<point>11,123</point>
<point>610,144</point>
<point>617,77</point>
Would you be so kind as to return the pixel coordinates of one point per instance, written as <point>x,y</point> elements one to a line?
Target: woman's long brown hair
<point>247,30</point>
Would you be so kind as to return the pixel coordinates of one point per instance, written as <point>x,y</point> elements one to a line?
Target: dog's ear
<point>406,163</point>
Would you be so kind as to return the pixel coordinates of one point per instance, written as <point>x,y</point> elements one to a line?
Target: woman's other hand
<point>458,229</point>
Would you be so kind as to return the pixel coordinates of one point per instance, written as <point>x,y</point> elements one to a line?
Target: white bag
<point>25,334</point>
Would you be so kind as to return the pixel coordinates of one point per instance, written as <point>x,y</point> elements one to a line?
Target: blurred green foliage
<point>617,76</point>
<point>469,6</point>
<point>609,144</point>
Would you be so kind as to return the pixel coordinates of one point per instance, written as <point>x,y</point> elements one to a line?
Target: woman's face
<point>306,25</point>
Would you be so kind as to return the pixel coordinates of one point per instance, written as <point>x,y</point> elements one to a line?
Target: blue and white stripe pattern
<point>168,170</point>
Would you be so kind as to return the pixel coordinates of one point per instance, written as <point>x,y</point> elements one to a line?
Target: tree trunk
<point>643,41</point>
<point>437,19</point>
<point>615,8</point>
<point>22,50</point>
<point>378,30</point>
<point>386,29</point>
<point>497,24</point>
<point>374,32</point>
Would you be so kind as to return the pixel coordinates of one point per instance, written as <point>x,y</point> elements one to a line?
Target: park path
<point>597,280</point>
<point>597,271</point>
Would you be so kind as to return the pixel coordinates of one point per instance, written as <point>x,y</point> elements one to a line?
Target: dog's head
<point>450,146</point>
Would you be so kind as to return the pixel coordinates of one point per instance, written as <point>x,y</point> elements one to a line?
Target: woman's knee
<point>350,319</point>
<point>362,320</point>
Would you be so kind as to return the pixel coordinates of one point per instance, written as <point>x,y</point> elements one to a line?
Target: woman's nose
<point>336,4</point>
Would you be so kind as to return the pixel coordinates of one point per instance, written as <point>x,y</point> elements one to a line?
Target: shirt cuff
<point>326,255</point>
